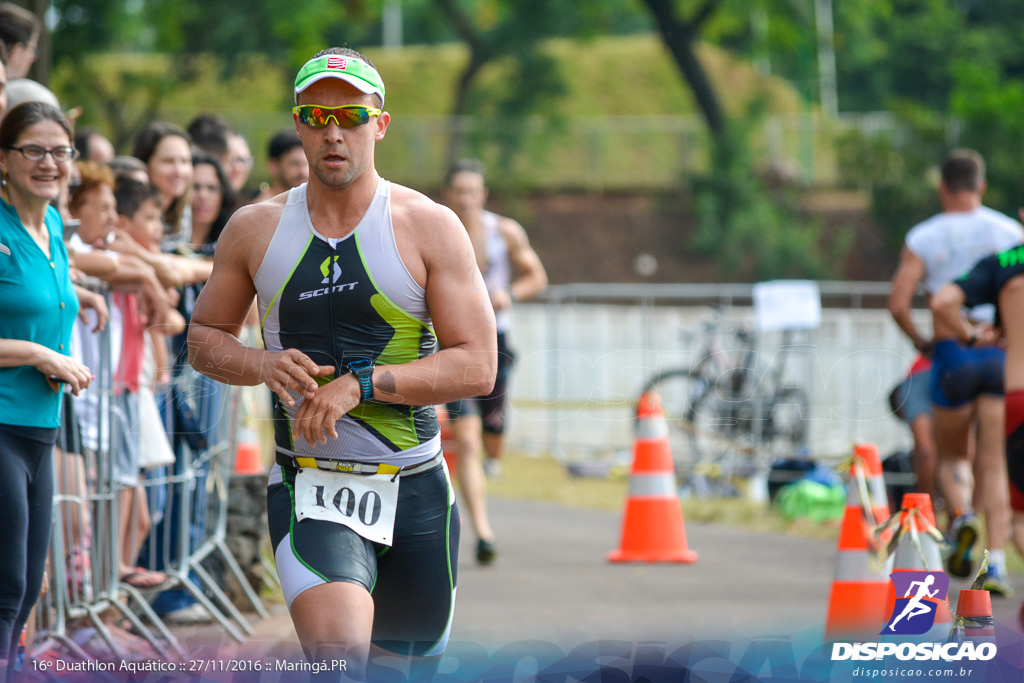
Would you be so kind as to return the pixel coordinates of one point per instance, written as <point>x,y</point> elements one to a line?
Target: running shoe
<point>964,534</point>
<point>997,583</point>
<point>486,553</point>
<point>492,468</point>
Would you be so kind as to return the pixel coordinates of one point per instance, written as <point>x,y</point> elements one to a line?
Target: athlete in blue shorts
<point>965,388</point>
<point>997,280</point>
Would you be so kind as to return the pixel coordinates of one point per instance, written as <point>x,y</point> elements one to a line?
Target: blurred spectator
<point>140,230</point>
<point>239,162</point>
<point>19,33</point>
<point>213,200</point>
<point>3,86</point>
<point>129,167</point>
<point>210,133</point>
<point>93,146</point>
<point>286,163</point>
<point>93,203</point>
<point>166,150</point>
<point>26,90</point>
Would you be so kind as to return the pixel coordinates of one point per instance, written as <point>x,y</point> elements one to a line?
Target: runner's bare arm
<point>213,344</point>
<point>530,277</point>
<point>460,311</point>
<point>909,275</point>
<point>947,314</point>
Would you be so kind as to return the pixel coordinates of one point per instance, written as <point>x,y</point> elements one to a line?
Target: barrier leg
<point>201,598</point>
<point>103,631</point>
<point>221,596</point>
<point>271,574</point>
<point>233,566</point>
<point>145,632</point>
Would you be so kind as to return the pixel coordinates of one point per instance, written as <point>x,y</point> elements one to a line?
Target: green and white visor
<point>353,71</point>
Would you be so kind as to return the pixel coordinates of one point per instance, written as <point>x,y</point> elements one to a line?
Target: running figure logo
<point>914,612</point>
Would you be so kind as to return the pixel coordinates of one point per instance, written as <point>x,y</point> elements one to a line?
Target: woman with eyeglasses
<point>38,306</point>
<point>166,150</point>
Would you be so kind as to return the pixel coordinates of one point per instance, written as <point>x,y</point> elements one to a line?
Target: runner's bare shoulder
<point>424,229</point>
<point>249,231</point>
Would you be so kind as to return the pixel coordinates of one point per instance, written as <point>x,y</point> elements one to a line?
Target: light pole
<point>392,28</point>
<point>826,58</point>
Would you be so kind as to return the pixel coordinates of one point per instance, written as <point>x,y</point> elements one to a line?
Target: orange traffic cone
<point>906,555</point>
<point>652,527</point>
<point>857,604</point>
<point>974,614</point>
<point>247,453</point>
<point>917,521</point>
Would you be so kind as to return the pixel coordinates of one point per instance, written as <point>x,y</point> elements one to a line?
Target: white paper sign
<point>365,503</point>
<point>787,305</point>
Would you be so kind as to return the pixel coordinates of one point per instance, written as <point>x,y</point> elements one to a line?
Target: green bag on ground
<point>812,500</point>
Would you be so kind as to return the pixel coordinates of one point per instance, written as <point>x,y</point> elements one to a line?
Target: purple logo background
<point>913,621</point>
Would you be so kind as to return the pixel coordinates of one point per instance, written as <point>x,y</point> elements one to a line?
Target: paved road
<point>553,583</point>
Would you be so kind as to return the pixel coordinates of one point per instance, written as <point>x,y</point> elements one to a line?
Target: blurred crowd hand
<point>88,300</point>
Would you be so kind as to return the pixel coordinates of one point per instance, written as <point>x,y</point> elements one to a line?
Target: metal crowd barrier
<point>187,503</point>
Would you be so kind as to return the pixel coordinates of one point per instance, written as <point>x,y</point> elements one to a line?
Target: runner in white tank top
<point>965,383</point>
<point>512,271</point>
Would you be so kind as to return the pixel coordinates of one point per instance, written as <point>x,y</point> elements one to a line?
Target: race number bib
<point>365,503</point>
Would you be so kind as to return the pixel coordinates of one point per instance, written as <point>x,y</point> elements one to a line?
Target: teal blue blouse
<point>38,304</point>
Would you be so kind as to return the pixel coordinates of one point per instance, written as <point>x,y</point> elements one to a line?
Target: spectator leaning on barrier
<point>166,150</point>
<point>213,201</point>
<point>93,203</point>
<point>38,305</point>
<point>239,164</point>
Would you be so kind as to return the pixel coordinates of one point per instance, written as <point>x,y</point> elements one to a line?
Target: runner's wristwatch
<point>363,371</point>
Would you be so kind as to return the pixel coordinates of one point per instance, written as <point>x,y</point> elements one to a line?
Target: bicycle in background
<point>729,413</point>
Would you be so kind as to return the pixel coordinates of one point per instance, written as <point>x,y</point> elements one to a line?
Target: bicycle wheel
<point>785,428</point>
<point>700,427</point>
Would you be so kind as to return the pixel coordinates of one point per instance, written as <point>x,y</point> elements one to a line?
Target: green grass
<point>545,480</point>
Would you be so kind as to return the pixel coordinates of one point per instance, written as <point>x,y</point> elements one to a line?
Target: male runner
<point>996,280</point>
<point>965,384</point>
<point>513,272</point>
<point>355,278</point>
<point>286,163</point>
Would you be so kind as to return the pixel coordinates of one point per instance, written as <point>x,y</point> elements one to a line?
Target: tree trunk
<point>457,133</point>
<point>680,38</point>
<point>478,57</point>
